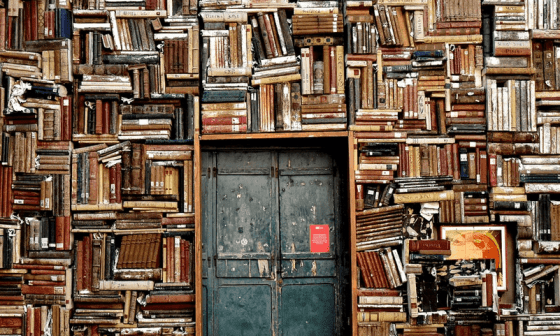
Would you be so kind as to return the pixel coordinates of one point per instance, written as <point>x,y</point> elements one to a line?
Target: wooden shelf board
<point>282,135</point>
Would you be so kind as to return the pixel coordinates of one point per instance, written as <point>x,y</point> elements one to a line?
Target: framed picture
<point>479,242</point>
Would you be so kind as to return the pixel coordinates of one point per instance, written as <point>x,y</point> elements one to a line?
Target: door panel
<point>308,309</point>
<point>262,278</point>
<point>244,310</point>
<point>244,225</point>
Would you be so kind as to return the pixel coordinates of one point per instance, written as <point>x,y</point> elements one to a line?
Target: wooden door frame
<point>340,159</point>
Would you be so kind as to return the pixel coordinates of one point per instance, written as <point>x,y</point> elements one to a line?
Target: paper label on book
<point>398,135</point>
<point>36,240</point>
<point>499,171</point>
<point>473,144</point>
<point>371,192</point>
<point>45,243</point>
<point>386,173</point>
<point>492,161</point>
<point>143,122</point>
<point>47,203</point>
<point>517,205</point>
<point>17,201</point>
<point>319,238</point>
<point>443,195</point>
<point>113,188</point>
<point>59,245</point>
<point>235,120</point>
<point>235,128</point>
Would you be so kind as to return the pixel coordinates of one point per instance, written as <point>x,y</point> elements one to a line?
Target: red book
<point>67,228</point>
<point>177,220</point>
<point>151,4</point>
<point>86,268</point>
<point>59,233</point>
<point>170,257</point>
<point>169,306</point>
<point>27,22</point>
<point>98,116</point>
<point>8,184</point>
<point>49,272</point>
<point>489,290</point>
<point>65,106</point>
<point>12,298</point>
<point>79,267</point>
<point>3,193</point>
<point>113,184</point>
<point>183,261</point>
<point>188,260</point>
<point>493,170</point>
<point>417,245</point>
<point>9,32</point>
<point>34,9</point>
<point>28,321</point>
<point>367,279</point>
<point>106,116</point>
<point>178,298</point>
<point>37,321</point>
<point>37,283</point>
<point>484,168</point>
<point>378,292</point>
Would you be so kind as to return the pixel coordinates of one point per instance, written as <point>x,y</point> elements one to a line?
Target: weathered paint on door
<point>260,277</point>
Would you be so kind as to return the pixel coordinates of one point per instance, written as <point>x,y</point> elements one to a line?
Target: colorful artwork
<point>478,242</point>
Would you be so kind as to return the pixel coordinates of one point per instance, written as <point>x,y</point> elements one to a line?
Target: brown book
<point>548,66</point>
<point>98,116</point>
<point>96,263</point>
<point>93,179</point>
<point>417,245</point>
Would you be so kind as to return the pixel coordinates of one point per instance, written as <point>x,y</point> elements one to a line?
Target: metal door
<point>261,276</point>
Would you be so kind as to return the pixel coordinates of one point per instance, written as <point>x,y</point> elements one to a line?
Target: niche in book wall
<point>492,241</point>
<point>540,289</point>
<point>323,105</point>
<point>158,119</point>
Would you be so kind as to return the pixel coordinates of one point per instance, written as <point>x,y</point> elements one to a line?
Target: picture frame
<point>479,242</point>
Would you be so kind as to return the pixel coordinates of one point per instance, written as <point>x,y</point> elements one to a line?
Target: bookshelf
<point>448,110</point>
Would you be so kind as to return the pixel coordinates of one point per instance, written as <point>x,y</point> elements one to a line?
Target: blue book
<point>223,96</point>
<point>64,23</point>
<point>464,163</point>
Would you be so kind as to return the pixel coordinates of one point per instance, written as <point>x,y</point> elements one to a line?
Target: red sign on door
<point>319,238</point>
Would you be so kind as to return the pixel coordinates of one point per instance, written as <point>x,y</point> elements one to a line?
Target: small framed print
<point>479,242</point>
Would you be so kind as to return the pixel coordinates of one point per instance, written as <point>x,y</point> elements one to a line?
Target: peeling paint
<point>314,268</point>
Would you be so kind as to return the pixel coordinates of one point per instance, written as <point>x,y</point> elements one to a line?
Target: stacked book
<point>379,227</point>
<point>381,269</point>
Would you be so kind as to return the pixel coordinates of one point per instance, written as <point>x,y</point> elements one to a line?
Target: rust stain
<point>314,268</point>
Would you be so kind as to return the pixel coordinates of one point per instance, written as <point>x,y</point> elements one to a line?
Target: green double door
<point>271,243</point>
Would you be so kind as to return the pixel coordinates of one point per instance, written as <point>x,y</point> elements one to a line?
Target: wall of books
<point>451,110</point>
